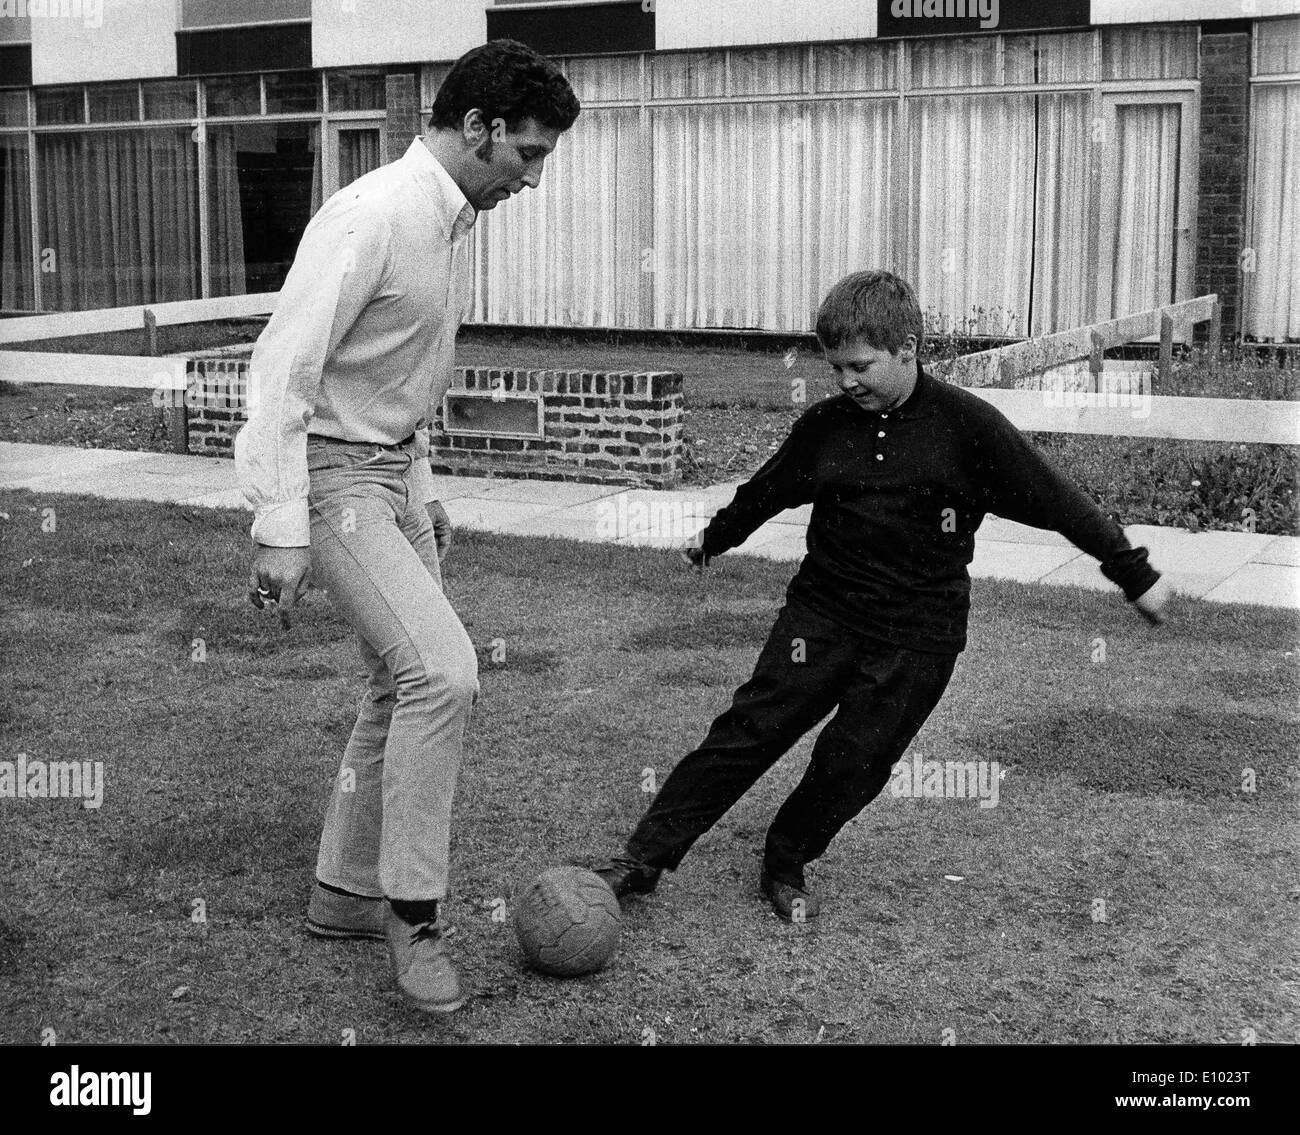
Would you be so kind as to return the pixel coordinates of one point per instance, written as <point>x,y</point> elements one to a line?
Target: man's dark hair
<point>876,306</point>
<point>505,80</point>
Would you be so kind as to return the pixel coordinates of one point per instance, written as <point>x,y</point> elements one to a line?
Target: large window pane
<point>15,225</point>
<point>1272,276</point>
<point>119,217</point>
<point>264,184</point>
<point>805,202</point>
<point>1063,293</point>
<point>570,252</point>
<point>971,210</point>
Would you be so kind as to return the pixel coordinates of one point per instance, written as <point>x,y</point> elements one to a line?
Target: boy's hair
<point>876,306</point>
<point>506,80</point>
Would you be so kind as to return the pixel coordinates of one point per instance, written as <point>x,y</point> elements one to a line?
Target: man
<point>334,460</point>
<point>901,470</point>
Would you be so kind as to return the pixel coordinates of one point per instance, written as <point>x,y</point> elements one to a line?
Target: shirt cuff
<point>283,525</point>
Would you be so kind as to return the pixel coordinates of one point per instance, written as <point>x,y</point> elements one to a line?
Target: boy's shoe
<point>629,876</point>
<point>794,904</point>
<point>421,966</point>
<point>331,915</point>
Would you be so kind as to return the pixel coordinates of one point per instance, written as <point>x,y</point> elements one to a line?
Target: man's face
<point>505,161</point>
<point>876,380</point>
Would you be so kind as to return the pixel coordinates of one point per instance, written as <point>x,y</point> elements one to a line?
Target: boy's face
<point>876,380</point>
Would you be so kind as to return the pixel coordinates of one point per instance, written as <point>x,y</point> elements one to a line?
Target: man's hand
<point>1151,603</point>
<point>280,575</point>
<point>441,528</point>
<point>692,552</point>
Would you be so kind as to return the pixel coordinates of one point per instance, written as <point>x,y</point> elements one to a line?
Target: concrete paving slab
<point>491,516</point>
<point>1268,585</point>
<point>1283,550</point>
<point>1205,553</point>
<point>557,494</point>
<point>1028,563</point>
<point>1009,532</point>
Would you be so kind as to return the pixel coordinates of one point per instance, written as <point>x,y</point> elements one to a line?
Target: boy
<point>334,460</point>
<point>901,469</point>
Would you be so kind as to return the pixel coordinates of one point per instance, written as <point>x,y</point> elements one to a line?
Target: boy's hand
<point>1151,603</point>
<point>692,552</point>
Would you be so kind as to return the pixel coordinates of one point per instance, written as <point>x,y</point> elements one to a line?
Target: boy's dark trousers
<point>809,665</point>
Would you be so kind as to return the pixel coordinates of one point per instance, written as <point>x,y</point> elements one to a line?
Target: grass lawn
<point>1123,786</point>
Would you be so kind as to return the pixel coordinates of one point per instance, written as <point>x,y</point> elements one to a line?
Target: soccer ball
<point>568,922</point>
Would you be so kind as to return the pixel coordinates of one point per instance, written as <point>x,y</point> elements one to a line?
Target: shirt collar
<point>455,214</point>
<point>917,404</point>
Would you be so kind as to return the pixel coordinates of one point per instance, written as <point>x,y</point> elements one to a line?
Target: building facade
<point>1030,166</point>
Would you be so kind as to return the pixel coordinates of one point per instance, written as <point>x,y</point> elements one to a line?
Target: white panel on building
<point>89,41</point>
<point>731,23</point>
<point>1189,11</point>
<point>350,33</point>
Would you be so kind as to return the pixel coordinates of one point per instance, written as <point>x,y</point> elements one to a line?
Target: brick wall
<point>620,428</point>
<point>1221,184</point>
<point>623,428</point>
<point>402,103</point>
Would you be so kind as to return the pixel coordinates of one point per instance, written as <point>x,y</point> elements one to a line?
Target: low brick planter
<point>612,427</point>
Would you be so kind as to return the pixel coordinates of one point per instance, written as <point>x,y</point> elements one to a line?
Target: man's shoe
<point>421,966</point>
<point>629,876</point>
<point>794,904</point>
<point>331,915</point>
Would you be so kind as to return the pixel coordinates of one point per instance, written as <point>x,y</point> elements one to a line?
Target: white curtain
<point>569,253</point>
<point>1272,290</point>
<point>760,207</point>
<point>1063,294</point>
<point>1145,184</point>
<point>971,210</point>
<point>225,215</point>
<point>15,225</point>
<point>120,209</point>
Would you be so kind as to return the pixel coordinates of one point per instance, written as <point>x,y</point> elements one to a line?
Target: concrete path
<point>1224,567</point>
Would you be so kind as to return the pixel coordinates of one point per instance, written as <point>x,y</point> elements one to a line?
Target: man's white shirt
<point>362,343</point>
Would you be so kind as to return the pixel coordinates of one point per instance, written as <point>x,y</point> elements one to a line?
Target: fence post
<point>1216,327</point>
<point>171,415</point>
<point>1166,350</point>
<point>1095,360</point>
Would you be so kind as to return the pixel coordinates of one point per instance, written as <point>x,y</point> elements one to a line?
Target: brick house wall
<point>1221,179</point>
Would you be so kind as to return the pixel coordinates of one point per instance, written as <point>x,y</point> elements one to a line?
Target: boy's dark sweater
<point>885,556</point>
